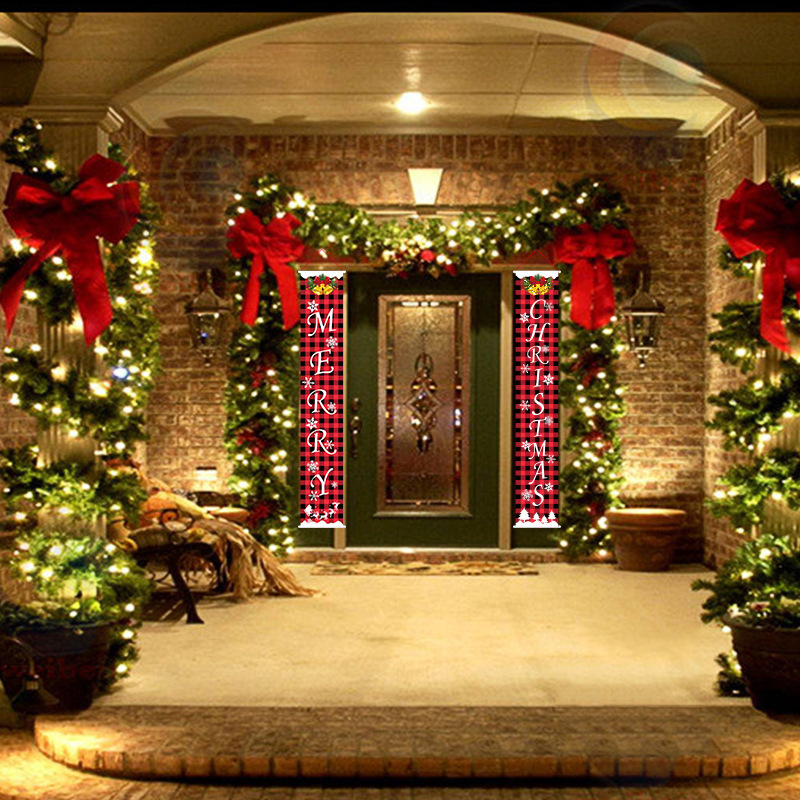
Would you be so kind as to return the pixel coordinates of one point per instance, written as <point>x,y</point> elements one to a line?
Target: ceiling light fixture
<point>411,103</point>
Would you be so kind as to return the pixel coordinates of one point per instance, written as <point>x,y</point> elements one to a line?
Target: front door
<point>423,380</point>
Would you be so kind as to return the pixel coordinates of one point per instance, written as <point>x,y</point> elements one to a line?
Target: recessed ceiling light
<point>411,103</point>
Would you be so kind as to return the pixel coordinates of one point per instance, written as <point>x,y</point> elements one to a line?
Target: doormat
<point>422,568</point>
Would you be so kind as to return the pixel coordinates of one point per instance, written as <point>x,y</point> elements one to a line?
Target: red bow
<point>756,218</point>
<point>71,223</point>
<point>592,289</point>
<point>274,246</point>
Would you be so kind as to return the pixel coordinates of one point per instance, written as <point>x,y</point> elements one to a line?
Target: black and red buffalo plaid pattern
<point>321,399</point>
<point>536,399</point>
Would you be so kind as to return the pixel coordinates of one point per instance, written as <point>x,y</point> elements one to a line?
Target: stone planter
<point>770,662</point>
<point>644,538</point>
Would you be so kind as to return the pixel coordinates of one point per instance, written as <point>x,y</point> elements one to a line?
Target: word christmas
<point>536,398</point>
<point>321,400</point>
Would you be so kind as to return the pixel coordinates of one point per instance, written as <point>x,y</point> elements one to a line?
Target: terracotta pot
<point>69,662</point>
<point>644,538</point>
<point>770,662</point>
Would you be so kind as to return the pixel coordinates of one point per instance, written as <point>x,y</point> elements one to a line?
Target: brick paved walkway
<point>26,774</point>
<point>411,743</point>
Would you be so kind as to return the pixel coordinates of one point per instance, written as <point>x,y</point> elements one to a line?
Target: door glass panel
<point>423,399</point>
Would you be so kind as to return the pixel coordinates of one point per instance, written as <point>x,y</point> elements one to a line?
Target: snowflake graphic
<point>527,494</point>
<point>308,382</point>
<point>313,496</point>
<point>548,379</point>
<point>332,407</point>
<point>311,424</point>
<point>548,306</point>
<point>312,306</point>
<point>551,459</point>
<point>524,318</point>
<point>548,420</point>
<point>312,466</point>
<point>525,406</point>
<point>332,341</point>
<point>334,484</point>
<point>526,445</point>
<point>546,348</point>
<point>526,367</point>
<point>548,487</point>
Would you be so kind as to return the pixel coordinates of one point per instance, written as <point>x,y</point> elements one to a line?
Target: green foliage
<point>750,414</point>
<point>262,393</point>
<point>759,586</point>
<point>105,404</point>
<point>261,400</point>
<point>71,489</point>
<point>729,678</point>
<point>79,580</point>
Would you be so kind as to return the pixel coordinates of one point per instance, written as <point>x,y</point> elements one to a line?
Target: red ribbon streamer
<point>71,224</point>
<point>755,217</point>
<point>272,245</point>
<point>592,289</point>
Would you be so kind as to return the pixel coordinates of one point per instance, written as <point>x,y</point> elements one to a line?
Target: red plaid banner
<point>536,315</point>
<point>322,320</point>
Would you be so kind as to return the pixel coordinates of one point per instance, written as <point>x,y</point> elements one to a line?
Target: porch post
<point>73,136</point>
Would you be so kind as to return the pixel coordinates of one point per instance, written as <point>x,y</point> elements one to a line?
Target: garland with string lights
<point>747,417</point>
<point>262,392</point>
<point>106,404</point>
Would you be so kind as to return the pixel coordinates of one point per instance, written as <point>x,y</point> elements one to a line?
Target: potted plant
<point>78,635</point>
<point>756,594</point>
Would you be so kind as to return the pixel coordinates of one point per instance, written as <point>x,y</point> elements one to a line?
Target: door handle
<point>354,424</point>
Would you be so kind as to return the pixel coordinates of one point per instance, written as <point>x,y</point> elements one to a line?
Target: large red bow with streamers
<point>274,246</point>
<point>71,224</point>
<point>756,218</point>
<point>592,289</point>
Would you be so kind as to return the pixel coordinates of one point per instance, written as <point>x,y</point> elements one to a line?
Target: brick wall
<point>729,158</point>
<point>664,183</point>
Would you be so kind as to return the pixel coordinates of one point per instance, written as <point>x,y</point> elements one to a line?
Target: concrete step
<point>419,744</point>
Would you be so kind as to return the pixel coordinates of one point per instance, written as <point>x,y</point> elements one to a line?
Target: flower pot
<point>644,538</point>
<point>770,662</point>
<point>69,662</point>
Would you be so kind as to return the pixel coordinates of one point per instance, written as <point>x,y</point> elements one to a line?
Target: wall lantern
<point>642,314</point>
<point>208,315</point>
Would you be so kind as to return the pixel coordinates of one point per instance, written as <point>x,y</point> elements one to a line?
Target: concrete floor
<point>583,635</point>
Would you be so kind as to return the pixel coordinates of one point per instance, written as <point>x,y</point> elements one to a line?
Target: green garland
<point>107,406</point>
<point>747,418</point>
<point>262,392</point>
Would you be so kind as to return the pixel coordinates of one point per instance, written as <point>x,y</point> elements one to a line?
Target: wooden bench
<point>163,544</point>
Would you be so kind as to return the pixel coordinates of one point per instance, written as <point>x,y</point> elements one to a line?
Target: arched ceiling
<point>567,72</point>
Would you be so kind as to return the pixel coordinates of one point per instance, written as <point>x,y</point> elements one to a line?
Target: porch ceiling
<point>656,73</point>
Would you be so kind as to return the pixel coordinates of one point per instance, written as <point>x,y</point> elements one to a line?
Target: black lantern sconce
<point>642,314</point>
<point>208,316</point>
